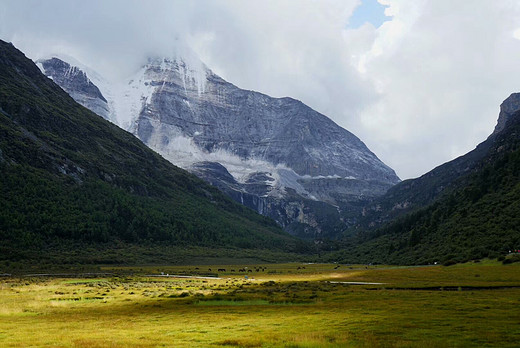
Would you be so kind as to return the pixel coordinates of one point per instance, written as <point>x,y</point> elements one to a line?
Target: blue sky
<point>369,11</point>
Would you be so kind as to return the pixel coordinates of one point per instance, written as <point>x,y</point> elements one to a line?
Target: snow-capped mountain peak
<point>262,151</point>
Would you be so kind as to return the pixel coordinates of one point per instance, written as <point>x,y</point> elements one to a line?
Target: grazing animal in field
<point>221,270</point>
<point>241,270</point>
<point>250,270</point>
<point>232,270</point>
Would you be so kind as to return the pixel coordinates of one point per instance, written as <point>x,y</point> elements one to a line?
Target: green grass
<point>281,306</point>
<point>233,303</point>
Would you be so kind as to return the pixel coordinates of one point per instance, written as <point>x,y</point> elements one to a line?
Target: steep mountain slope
<point>68,174</point>
<point>415,193</point>
<point>468,208</point>
<point>275,155</point>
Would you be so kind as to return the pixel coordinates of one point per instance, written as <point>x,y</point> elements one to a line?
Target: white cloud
<point>441,69</point>
<point>421,89</point>
<point>516,34</point>
<point>288,48</point>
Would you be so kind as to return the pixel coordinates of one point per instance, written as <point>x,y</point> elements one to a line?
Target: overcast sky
<point>419,81</point>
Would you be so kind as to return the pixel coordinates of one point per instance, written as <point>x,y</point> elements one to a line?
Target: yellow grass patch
<point>283,306</point>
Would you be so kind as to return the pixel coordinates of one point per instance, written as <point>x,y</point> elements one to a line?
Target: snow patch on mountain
<point>127,99</point>
<point>183,152</point>
<point>40,66</point>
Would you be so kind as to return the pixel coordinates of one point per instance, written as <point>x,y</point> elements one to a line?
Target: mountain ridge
<point>463,210</point>
<point>295,155</point>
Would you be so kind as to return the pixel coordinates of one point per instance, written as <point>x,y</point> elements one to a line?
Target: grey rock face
<point>274,155</point>
<point>76,83</point>
<point>252,125</point>
<point>338,190</point>
<point>507,108</point>
<point>303,217</point>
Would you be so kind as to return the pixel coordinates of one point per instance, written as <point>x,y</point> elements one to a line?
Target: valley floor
<point>269,305</point>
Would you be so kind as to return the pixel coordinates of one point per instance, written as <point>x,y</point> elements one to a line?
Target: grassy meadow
<point>278,305</point>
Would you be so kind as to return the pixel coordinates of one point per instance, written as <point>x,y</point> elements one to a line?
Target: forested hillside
<point>67,174</point>
<point>477,215</point>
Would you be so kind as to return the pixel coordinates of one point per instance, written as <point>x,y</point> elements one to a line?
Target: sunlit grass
<point>280,306</point>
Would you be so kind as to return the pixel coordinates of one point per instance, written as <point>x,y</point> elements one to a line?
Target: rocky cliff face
<point>275,155</point>
<point>219,116</point>
<point>76,83</point>
<point>507,108</point>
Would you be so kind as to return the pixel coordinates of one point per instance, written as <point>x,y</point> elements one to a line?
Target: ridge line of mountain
<point>71,177</point>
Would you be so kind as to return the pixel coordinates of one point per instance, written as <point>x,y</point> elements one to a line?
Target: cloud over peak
<point>420,89</point>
